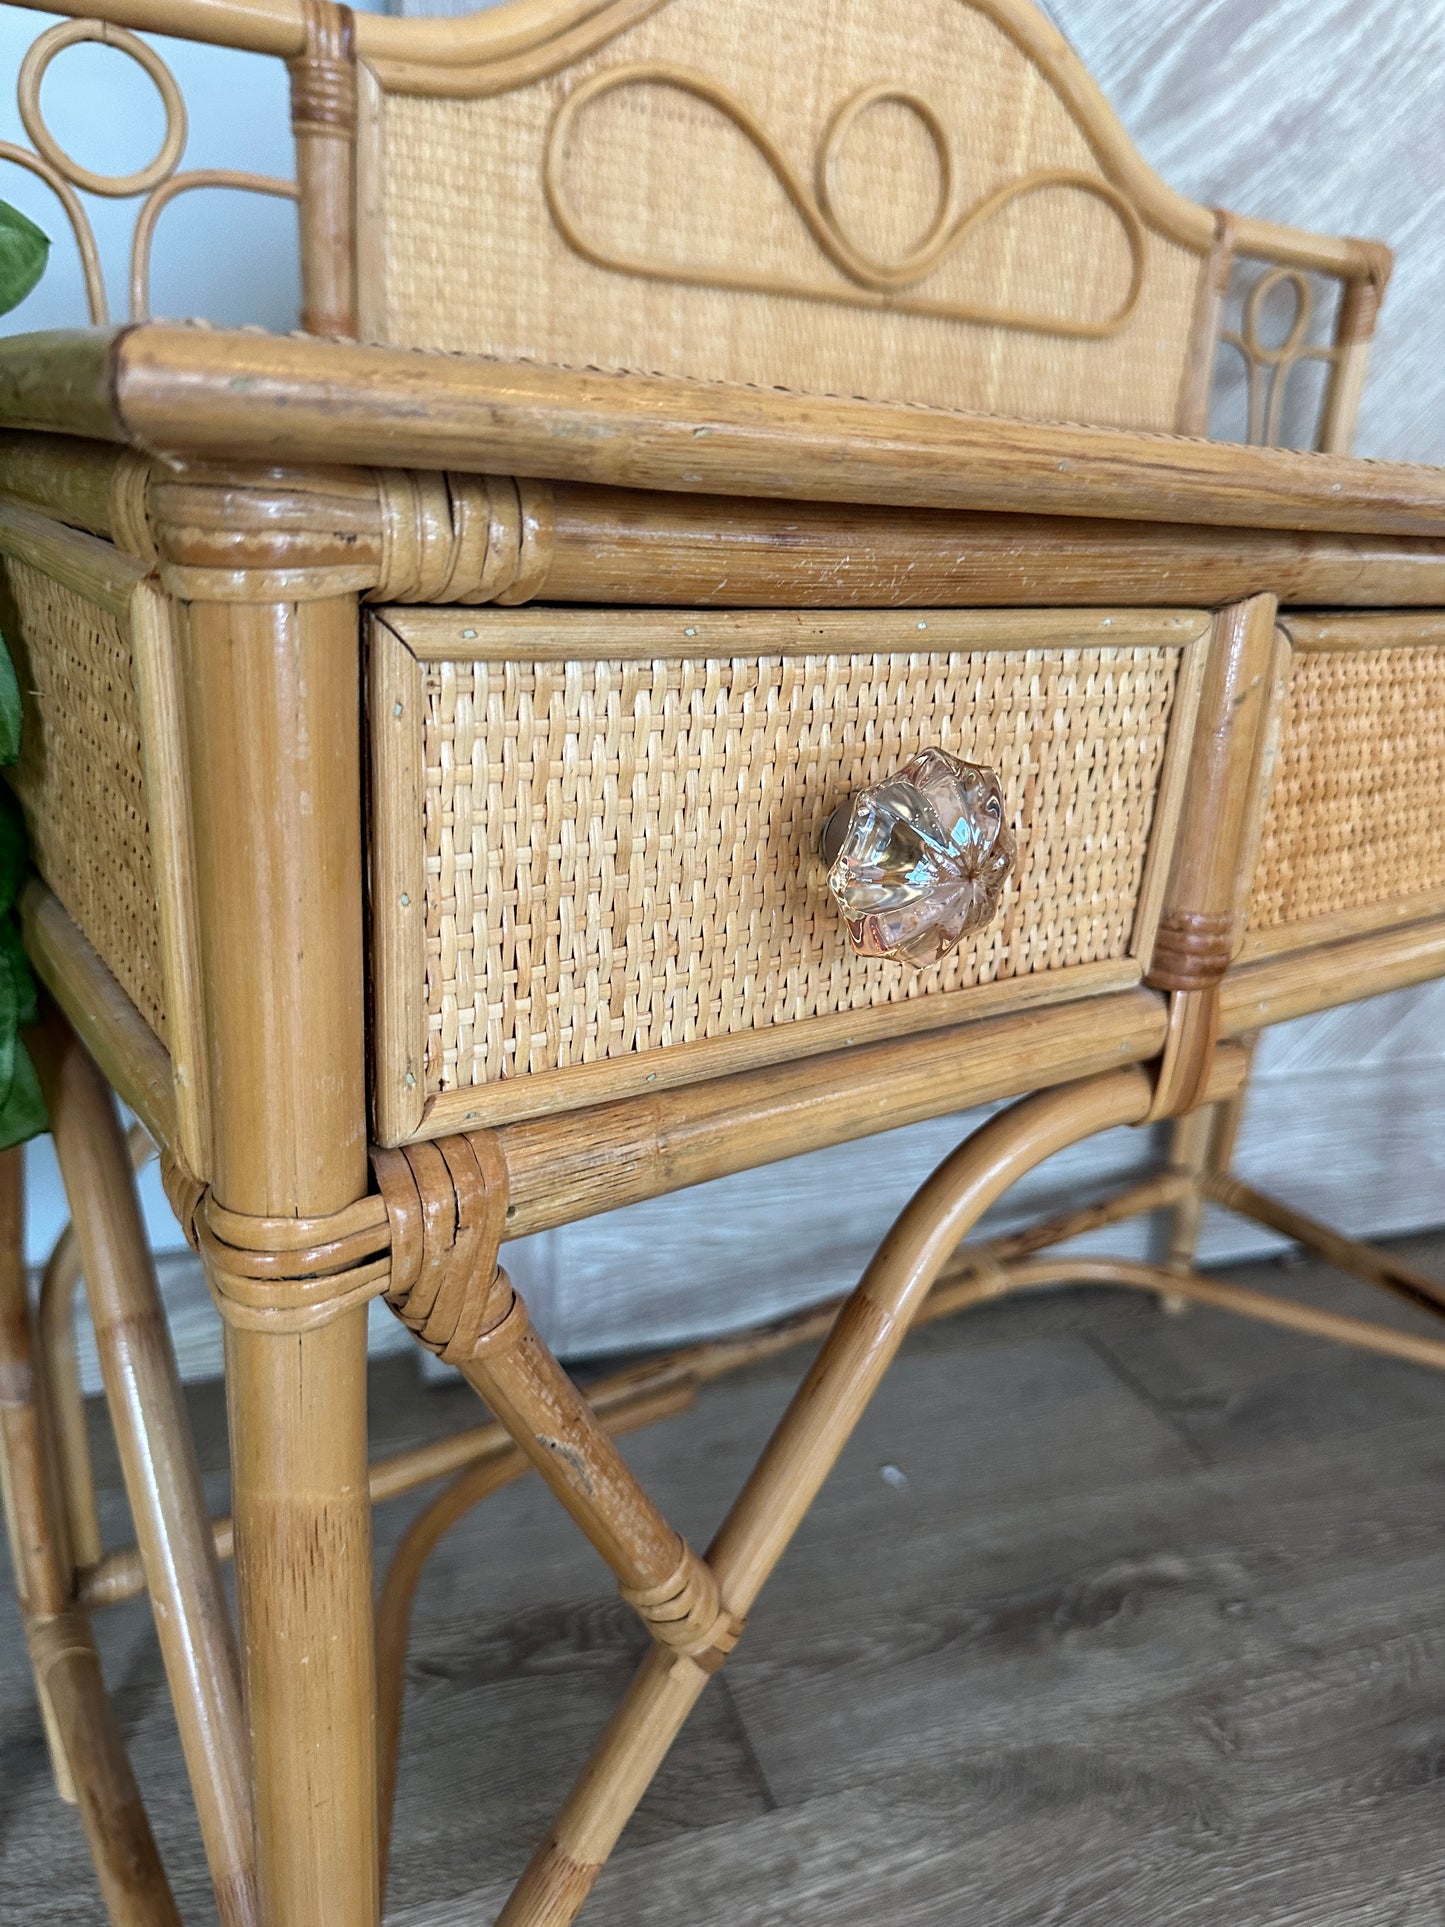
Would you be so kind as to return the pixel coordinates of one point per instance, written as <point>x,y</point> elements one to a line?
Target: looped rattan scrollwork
<point>875,283</point>
<point>160,181</point>
<point>1268,366</point>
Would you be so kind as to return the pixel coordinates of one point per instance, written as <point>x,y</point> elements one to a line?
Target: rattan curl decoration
<point>160,181</point>
<point>1267,369</point>
<point>877,283</point>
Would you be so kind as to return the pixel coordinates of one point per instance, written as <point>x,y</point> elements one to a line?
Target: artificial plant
<point>23,252</point>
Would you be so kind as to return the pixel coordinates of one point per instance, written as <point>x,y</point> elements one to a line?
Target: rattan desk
<point>446,765</point>
<point>341,700</point>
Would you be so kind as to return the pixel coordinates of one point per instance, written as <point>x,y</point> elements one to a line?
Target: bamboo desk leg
<point>798,1458</point>
<point>67,1666</point>
<point>273,694</point>
<point>162,1479</point>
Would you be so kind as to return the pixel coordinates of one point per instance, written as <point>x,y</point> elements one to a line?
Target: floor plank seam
<point>744,1739</point>
<point>1157,1406</point>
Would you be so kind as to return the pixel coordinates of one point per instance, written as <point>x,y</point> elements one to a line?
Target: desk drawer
<point>595,834</point>
<point>1353,837</point>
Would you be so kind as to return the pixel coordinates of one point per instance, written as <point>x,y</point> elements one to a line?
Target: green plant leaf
<point>10,1049</point>
<point>22,1115</point>
<point>9,1029</point>
<point>14,850</point>
<point>24,250</point>
<point>11,707</point>
<point>22,1107</point>
<point>17,967</point>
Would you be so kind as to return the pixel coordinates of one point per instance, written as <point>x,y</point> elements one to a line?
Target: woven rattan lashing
<point>1356,814</point>
<point>471,256</point>
<point>621,854</point>
<point>80,776</point>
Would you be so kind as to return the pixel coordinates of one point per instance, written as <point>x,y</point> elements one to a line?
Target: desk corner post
<point>270,634</point>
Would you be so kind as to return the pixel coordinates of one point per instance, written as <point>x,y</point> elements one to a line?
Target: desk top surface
<point>193,393</point>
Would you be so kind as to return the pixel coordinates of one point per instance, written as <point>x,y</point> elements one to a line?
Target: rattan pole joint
<point>281,1274</point>
<point>247,533</point>
<point>462,538</point>
<point>1363,293</point>
<point>323,120</point>
<point>129,499</point>
<point>446,1208</point>
<point>323,77</point>
<point>1192,949</point>
<point>446,1204</point>
<point>685,1614</point>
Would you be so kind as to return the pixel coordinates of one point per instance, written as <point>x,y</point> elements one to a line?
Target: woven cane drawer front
<point>1354,828</point>
<point>80,778</point>
<point>595,836</point>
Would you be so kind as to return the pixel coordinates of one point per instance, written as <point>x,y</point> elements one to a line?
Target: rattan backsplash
<point>1356,814</point>
<point>80,777</point>
<point>471,257</point>
<point>620,854</point>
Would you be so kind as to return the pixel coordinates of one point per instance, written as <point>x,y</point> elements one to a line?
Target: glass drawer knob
<point>918,861</point>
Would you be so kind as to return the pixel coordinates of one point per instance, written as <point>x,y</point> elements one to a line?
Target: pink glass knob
<point>919,860</point>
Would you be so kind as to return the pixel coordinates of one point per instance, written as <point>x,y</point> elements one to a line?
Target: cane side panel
<point>1354,832</point>
<point>616,854</point>
<point>80,777</point>
<point>646,224</point>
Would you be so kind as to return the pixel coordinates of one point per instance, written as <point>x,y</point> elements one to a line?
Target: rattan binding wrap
<point>621,854</point>
<point>1356,814</point>
<point>470,256</point>
<point>80,775</point>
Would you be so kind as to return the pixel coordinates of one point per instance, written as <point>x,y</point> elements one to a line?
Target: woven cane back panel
<point>1356,814</point>
<point>80,778</point>
<point>620,855</point>
<point>666,186</point>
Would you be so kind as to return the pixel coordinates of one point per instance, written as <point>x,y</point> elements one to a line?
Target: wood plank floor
<point>1106,1617</point>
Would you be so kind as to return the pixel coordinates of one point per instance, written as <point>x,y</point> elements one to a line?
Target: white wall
<point>1322,113</point>
<point>1317,111</point>
<point>229,257</point>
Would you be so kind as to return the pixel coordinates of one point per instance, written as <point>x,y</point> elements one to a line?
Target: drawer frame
<point>403,641</point>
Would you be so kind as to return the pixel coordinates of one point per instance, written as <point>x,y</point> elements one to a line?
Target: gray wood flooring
<point>1106,1618</point>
